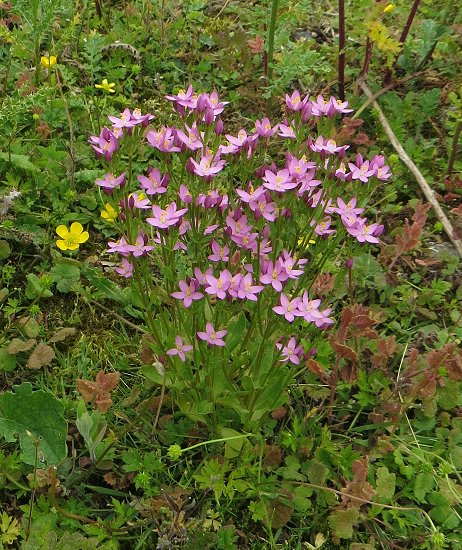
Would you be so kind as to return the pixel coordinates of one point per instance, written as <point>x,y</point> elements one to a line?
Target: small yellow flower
<point>71,239</point>
<point>301,241</point>
<point>109,213</point>
<point>48,60</point>
<point>106,86</point>
<point>388,8</point>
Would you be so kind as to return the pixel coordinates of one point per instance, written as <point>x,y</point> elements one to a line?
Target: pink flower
<point>212,337</point>
<point>320,107</point>
<point>125,120</point>
<point>286,131</point>
<point>382,172</point>
<point>218,286</point>
<point>264,128</point>
<point>325,146</point>
<point>165,218</point>
<point>247,289</point>
<point>192,140</point>
<point>137,200</point>
<point>187,293</point>
<point>126,269</point>
<point>207,166</point>
<point>110,182</point>
<point>163,140</point>
<point>348,208</point>
<point>288,308</point>
<point>322,228</point>
<point>155,183</point>
<point>281,181</point>
<point>105,144</point>
<point>361,170</point>
<point>180,348</point>
<point>295,102</point>
<point>184,99</point>
<point>264,207</point>
<point>338,106</point>
<point>309,309</point>
<point>121,246</point>
<point>220,253</point>
<point>141,247</point>
<point>184,194</point>
<point>273,275</point>
<point>291,352</point>
<point>251,194</point>
<point>364,233</point>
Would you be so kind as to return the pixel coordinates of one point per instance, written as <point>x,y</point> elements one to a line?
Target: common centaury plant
<point>222,238</point>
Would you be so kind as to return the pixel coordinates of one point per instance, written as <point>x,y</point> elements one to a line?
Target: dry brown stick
<point>426,189</point>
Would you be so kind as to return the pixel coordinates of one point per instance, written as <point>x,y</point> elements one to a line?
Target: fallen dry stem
<point>426,189</point>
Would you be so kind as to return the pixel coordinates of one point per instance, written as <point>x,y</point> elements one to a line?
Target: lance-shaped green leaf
<point>34,416</point>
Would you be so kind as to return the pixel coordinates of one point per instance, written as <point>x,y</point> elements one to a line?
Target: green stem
<point>272,30</point>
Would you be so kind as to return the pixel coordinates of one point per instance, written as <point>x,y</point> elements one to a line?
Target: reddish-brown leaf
<point>98,392</point>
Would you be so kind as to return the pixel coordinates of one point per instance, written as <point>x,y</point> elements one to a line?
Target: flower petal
<point>76,229</point>
<point>83,237</point>
<point>62,231</point>
<point>62,245</point>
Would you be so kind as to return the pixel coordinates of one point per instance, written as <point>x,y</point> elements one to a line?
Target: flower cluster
<point>243,223</point>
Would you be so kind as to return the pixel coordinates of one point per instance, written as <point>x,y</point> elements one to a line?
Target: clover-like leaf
<point>341,522</point>
<point>34,417</point>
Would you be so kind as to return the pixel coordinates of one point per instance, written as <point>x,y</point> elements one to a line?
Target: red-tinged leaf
<point>280,509</point>
<point>98,392</point>
<point>421,213</point>
<point>272,456</point>
<point>457,211</point>
<point>279,413</point>
<point>345,352</point>
<point>359,469</point>
<point>314,367</point>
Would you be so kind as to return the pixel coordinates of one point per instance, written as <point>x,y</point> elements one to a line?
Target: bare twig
<point>426,189</point>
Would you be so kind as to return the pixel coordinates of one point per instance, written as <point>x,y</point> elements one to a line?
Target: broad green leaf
<point>19,161</point>
<point>34,416</point>
<point>65,275</point>
<point>385,484</point>
<point>34,288</point>
<point>5,249</point>
<point>342,521</point>
<point>423,484</point>
<point>7,361</point>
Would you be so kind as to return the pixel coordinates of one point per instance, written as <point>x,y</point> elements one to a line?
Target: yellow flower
<point>71,239</point>
<point>301,241</point>
<point>48,61</point>
<point>109,213</point>
<point>106,86</point>
<point>388,8</point>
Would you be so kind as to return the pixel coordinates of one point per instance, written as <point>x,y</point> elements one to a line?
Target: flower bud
<point>349,263</point>
<point>219,127</point>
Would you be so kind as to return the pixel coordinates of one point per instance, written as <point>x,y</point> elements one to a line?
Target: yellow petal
<point>52,60</point>
<point>73,247</point>
<point>76,229</point>
<point>83,237</point>
<point>104,214</point>
<point>45,61</point>
<point>62,245</point>
<point>62,231</point>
